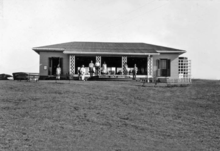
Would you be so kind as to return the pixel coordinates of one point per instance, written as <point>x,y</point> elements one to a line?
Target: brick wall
<point>44,58</point>
<point>174,60</point>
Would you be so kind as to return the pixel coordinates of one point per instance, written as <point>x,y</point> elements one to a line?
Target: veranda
<point>115,65</point>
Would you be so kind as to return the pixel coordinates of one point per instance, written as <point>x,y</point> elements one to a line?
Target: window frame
<point>163,72</point>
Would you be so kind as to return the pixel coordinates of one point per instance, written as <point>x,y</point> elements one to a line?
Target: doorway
<point>53,63</point>
<point>114,63</point>
<point>140,62</point>
<point>83,60</point>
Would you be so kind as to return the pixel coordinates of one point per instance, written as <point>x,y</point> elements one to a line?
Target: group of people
<point>95,68</point>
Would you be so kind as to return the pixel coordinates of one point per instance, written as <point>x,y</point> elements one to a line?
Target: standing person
<point>104,68</point>
<point>135,70</point>
<point>97,67</point>
<point>58,72</point>
<point>82,72</point>
<point>78,71</point>
<point>126,69</point>
<point>91,67</point>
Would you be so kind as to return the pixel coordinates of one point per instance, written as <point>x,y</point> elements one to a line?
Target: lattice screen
<point>124,61</point>
<point>150,66</point>
<point>72,64</point>
<point>99,59</point>
<point>184,67</point>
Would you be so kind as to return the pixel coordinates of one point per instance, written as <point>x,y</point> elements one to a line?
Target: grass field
<point>109,116</point>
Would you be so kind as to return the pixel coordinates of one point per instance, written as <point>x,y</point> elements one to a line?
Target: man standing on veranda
<point>97,67</point>
<point>91,68</point>
<point>135,70</point>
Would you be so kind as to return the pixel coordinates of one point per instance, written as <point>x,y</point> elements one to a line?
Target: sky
<point>191,25</point>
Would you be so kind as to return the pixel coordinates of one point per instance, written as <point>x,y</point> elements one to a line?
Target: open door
<point>53,63</point>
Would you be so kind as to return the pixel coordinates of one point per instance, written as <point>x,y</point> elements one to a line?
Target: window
<point>163,64</point>
<point>163,67</point>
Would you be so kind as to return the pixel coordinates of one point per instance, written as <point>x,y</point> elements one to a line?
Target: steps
<point>110,78</point>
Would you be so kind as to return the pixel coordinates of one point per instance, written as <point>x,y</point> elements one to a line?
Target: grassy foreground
<point>109,116</point>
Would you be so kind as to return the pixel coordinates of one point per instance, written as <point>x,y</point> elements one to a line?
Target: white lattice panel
<point>72,65</point>
<point>185,68</point>
<point>189,68</point>
<point>150,66</point>
<point>99,59</point>
<point>124,61</point>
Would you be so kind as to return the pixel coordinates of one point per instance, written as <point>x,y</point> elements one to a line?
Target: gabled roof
<point>107,47</point>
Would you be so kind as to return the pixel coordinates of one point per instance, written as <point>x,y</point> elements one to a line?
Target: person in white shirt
<point>91,68</point>
<point>97,67</point>
<point>82,73</point>
<point>58,72</point>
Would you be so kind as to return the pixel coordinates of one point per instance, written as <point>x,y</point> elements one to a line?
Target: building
<point>151,60</point>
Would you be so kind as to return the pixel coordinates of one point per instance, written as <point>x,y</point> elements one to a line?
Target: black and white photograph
<point>109,75</point>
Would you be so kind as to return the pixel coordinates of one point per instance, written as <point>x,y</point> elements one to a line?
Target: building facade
<point>151,60</point>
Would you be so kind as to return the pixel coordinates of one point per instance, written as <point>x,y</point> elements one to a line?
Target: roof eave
<point>110,53</point>
<point>38,50</point>
<point>171,51</point>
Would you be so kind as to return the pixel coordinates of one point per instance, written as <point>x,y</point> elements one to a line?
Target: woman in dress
<point>82,73</point>
<point>58,72</point>
<point>104,68</point>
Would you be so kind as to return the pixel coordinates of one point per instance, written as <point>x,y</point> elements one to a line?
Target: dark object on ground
<point>4,76</point>
<point>33,77</point>
<point>20,76</point>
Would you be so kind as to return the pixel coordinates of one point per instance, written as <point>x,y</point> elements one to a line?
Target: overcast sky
<point>191,25</point>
